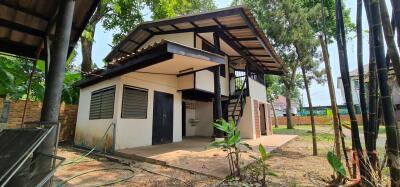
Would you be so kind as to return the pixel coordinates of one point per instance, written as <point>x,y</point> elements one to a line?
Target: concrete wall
<point>138,132</point>
<point>186,38</point>
<point>202,112</point>
<point>257,90</point>
<point>90,132</point>
<point>129,132</point>
<point>186,82</point>
<point>205,80</point>
<point>246,124</point>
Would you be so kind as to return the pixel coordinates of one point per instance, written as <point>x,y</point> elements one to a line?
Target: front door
<point>162,118</point>
<point>262,119</point>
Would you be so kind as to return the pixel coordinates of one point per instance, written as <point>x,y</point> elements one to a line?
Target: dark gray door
<point>163,118</point>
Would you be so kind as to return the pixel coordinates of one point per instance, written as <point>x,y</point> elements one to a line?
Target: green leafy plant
<point>337,166</point>
<point>231,144</point>
<point>259,171</point>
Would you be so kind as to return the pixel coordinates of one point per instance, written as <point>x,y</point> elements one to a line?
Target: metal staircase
<point>237,100</point>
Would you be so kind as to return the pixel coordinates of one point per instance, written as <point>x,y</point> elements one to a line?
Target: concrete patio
<point>194,154</point>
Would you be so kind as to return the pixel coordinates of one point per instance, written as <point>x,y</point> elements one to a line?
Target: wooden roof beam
<point>24,10</point>
<point>21,28</point>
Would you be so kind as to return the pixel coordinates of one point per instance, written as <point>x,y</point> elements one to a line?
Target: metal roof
<point>236,26</point>
<point>25,23</point>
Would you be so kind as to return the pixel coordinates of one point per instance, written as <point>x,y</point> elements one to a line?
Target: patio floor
<point>194,154</point>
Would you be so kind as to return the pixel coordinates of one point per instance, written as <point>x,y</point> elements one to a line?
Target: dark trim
<point>121,51</point>
<point>194,40</point>
<point>162,52</point>
<point>21,28</point>
<point>175,27</point>
<point>201,29</point>
<point>194,80</point>
<point>194,53</point>
<point>246,39</point>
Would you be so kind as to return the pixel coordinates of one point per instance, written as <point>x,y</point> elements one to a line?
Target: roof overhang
<point>25,24</point>
<point>236,26</point>
<point>163,58</point>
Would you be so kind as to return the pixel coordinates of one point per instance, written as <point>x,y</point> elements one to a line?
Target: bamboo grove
<point>367,170</point>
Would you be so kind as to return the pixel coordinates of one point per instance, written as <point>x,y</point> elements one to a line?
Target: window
<point>356,84</point>
<point>102,103</point>
<point>134,103</point>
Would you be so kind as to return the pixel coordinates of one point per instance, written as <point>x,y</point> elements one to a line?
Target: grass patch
<point>304,131</point>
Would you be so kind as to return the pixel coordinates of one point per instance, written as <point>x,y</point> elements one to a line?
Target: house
<point>172,78</point>
<point>355,86</point>
<point>280,106</point>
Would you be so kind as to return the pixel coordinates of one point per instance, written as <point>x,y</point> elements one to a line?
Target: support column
<point>54,80</point>
<point>217,100</point>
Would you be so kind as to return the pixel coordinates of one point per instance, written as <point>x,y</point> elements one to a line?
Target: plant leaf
<point>335,163</point>
<point>263,152</point>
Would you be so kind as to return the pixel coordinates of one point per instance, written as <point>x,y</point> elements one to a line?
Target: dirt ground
<point>293,164</point>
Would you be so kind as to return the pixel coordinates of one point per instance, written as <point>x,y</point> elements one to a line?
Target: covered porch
<point>194,154</point>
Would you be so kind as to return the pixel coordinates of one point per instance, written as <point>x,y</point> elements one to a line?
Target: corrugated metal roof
<point>24,23</point>
<point>237,27</point>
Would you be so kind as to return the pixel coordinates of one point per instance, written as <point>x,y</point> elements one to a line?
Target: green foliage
<point>231,144</point>
<point>124,15</point>
<point>259,171</point>
<point>14,77</point>
<point>335,163</point>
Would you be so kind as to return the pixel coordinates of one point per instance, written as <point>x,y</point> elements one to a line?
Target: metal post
<point>54,80</point>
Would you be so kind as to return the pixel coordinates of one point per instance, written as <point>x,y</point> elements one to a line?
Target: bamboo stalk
<point>344,70</point>
<point>388,114</point>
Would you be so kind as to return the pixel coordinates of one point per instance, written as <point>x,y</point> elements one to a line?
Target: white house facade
<point>173,78</point>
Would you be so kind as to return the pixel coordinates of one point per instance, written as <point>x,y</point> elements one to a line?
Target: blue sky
<point>319,93</point>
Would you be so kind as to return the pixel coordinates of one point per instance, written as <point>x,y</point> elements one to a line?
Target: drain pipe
<point>113,137</point>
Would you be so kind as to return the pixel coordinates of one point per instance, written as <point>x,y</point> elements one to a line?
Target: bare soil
<point>293,164</point>
<point>138,173</point>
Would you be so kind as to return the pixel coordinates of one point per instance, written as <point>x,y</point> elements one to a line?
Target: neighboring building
<point>167,79</point>
<point>280,106</point>
<point>355,86</point>
<point>325,110</point>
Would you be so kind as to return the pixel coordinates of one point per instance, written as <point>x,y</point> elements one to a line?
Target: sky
<point>319,93</point>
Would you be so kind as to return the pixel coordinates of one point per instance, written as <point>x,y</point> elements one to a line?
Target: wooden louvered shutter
<point>134,103</point>
<point>102,103</point>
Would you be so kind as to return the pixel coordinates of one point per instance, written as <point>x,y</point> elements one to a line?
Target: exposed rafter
<point>25,10</point>
<point>21,28</point>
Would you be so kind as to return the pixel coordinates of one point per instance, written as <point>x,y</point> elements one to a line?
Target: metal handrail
<point>240,99</point>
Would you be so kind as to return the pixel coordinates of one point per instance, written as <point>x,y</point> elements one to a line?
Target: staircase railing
<point>240,99</point>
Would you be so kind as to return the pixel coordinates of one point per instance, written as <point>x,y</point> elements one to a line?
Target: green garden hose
<point>77,160</point>
<point>103,169</point>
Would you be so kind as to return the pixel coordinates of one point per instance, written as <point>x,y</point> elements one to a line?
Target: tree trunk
<point>87,41</point>
<point>289,109</point>
<point>86,55</point>
<point>314,134</point>
<point>389,38</point>
<point>332,94</point>
<point>274,113</point>
<point>344,70</point>
<point>388,114</point>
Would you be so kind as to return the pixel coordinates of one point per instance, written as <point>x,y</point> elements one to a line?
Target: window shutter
<point>102,103</point>
<point>134,103</point>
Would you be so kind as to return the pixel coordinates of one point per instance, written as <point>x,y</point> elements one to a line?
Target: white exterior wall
<point>205,80</point>
<point>203,114</point>
<point>88,133</point>
<point>186,82</point>
<point>138,132</point>
<point>186,38</point>
<point>247,122</point>
<point>129,132</point>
